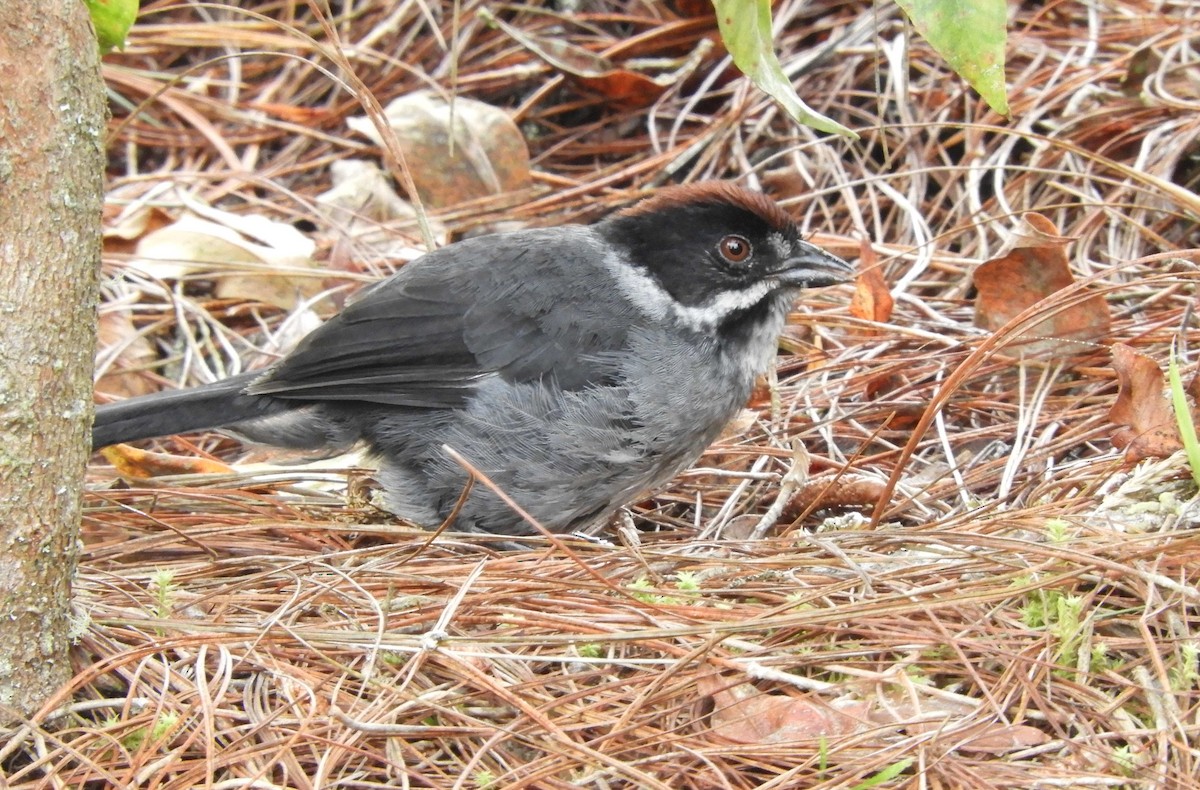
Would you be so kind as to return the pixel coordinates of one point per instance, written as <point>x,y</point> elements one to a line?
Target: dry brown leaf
<point>140,464</point>
<point>489,155</point>
<point>622,88</point>
<point>363,206</point>
<point>872,300</point>
<point>743,714</point>
<point>627,86</point>
<point>952,716</point>
<point>205,238</point>
<point>833,489</point>
<point>742,422</point>
<point>132,224</point>
<point>1148,428</point>
<point>1033,270</point>
<point>981,738</point>
<point>125,378</point>
<point>309,116</point>
<point>883,384</point>
<point>1004,738</point>
<point>693,8</point>
<point>362,193</point>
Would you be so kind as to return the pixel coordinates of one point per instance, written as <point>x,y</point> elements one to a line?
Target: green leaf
<point>886,775</point>
<point>970,35</point>
<point>112,20</point>
<point>745,27</point>
<point>1183,416</point>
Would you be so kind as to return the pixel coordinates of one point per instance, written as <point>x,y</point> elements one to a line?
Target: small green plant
<point>1183,416</point>
<point>1185,676</point>
<point>1067,629</point>
<point>937,653</point>
<point>685,582</point>
<point>161,728</point>
<point>641,591</point>
<point>1035,612</point>
<point>134,740</point>
<point>886,775</point>
<point>164,590</point>
<point>917,675</point>
<point>1125,760</point>
<point>1062,616</point>
<point>1101,659</point>
<point>484,779</point>
<point>162,585</point>
<point>590,650</point>
<point>799,601</point>
<point>1058,531</point>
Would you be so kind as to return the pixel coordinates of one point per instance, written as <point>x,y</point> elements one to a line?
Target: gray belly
<point>570,458</point>
<point>567,461</point>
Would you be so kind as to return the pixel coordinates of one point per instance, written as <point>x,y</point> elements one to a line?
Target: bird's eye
<point>734,249</point>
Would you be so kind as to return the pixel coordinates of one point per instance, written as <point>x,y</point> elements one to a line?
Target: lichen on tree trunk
<point>52,115</point>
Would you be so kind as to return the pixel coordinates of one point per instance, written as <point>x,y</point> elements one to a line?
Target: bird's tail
<point>216,405</point>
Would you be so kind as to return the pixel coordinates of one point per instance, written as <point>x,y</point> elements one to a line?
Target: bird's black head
<point>717,251</point>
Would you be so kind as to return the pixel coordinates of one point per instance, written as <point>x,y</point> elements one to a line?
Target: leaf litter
<point>1021,609</point>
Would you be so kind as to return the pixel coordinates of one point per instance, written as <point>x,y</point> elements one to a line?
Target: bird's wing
<point>427,336</point>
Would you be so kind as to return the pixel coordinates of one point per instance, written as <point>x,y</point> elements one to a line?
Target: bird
<point>578,367</point>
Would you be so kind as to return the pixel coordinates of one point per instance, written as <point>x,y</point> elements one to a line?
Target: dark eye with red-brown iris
<point>734,249</point>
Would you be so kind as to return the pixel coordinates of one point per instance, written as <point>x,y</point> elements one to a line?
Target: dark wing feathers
<point>427,336</point>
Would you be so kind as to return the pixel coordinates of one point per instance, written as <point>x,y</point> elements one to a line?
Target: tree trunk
<point>51,181</point>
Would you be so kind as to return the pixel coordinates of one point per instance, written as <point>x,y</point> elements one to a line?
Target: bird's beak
<point>809,266</point>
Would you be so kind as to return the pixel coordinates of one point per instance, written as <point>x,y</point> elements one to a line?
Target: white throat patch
<point>656,304</point>
<point>639,287</point>
<point>707,317</point>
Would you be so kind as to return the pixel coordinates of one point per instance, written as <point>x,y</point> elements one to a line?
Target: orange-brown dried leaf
<point>760,395</point>
<point>832,489</point>
<point>1147,422</point>
<point>1034,269</point>
<point>140,464</point>
<point>872,300</point>
<point>743,714</point>
<point>1002,739</point>
<point>883,384</point>
<point>622,87</point>
<point>309,116</point>
<point>693,8</point>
